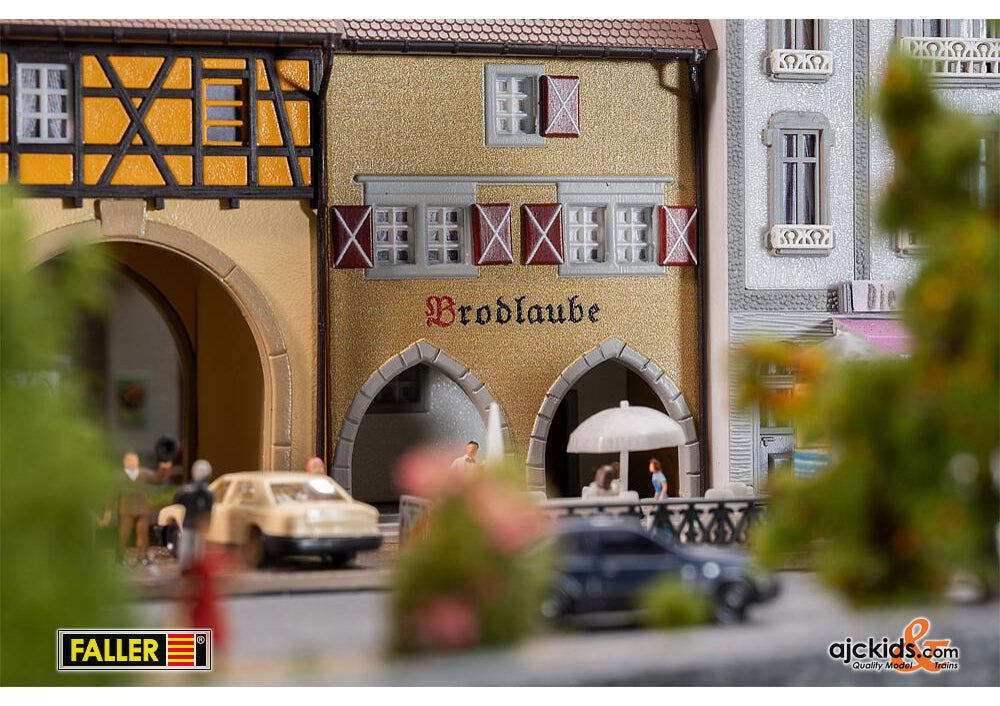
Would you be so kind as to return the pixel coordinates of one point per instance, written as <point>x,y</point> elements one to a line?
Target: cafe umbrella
<point>623,429</point>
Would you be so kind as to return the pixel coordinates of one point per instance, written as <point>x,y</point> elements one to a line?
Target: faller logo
<point>912,652</point>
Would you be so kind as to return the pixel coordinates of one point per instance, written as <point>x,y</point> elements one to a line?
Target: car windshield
<point>305,491</point>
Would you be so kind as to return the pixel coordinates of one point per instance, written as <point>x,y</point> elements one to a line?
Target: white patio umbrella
<point>625,429</point>
<point>494,438</point>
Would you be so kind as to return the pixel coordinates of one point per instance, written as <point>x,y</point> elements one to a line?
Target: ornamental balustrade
<point>790,239</point>
<point>801,63</point>
<point>956,57</point>
<point>688,520</point>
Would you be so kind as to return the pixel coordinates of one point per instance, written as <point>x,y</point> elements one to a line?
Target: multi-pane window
<point>44,103</point>
<point>445,235</point>
<point>801,34</point>
<point>985,180</point>
<point>970,29</point>
<point>585,234</point>
<point>224,104</point>
<point>514,104</point>
<point>800,176</point>
<point>408,392</point>
<point>393,236</point>
<point>634,234</point>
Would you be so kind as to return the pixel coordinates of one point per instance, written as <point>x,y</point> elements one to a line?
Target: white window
<point>609,228</point>
<point>420,229</point>
<point>585,236</point>
<point>511,110</point>
<point>445,231</point>
<point>798,208</point>
<point>43,100</point>
<point>798,50</point>
<point>955,52</point>
<point>634,234</point>
<point>393,236</point>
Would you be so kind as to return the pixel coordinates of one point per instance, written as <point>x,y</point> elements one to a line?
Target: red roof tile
<point>628,34</point>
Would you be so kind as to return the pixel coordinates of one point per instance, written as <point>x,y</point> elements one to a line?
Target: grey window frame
<point>491,73</point>
<point>419,196</point>
<point>43,92</point>
<point>777,41</point>
<point>797,122</point>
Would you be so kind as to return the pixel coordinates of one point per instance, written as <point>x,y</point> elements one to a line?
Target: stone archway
<point>424,353</point>
<point>688,455</point>
<point>125,221</point>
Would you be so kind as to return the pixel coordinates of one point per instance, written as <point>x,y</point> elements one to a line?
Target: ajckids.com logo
<point>910,653</point>
<point>134,650</point>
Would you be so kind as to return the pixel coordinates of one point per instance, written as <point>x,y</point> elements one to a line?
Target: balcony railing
<point>957,57</point>
<point>688,520</point>
<point>801,64</point>
<point>790,239</point>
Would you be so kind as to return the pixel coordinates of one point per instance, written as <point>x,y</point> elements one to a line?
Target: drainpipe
<point>322,274</point>
<point>696,66</point>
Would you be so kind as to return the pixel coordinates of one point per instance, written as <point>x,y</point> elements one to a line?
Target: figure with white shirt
<point>467,463</point>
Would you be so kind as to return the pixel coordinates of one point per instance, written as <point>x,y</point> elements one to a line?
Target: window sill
<point>604,269</point>
<point>957,61</point>
<point>800,65</point>
<point>422,272</point>
<point>788,239</point>
<point>515,141</point>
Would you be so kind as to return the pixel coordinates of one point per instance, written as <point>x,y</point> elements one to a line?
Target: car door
<point>630,561</point>
<point>218,526</point>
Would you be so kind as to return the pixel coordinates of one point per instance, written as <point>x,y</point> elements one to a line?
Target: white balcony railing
<point>800,64</point>
<point>788,239</point>
<point>957,57</point>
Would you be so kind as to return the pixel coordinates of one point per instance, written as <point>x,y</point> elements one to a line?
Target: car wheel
<point>254,552</point>
<point>556,606</point>
<point>172,538</point>
<point>732,601</point>
<point>338,560</point>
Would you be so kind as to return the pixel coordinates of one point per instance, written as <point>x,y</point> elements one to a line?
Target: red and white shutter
<point>560,102</point>
<point>491,234</point>
<point>541,233</point>
<point>678,235</point>
<point>352,237</point>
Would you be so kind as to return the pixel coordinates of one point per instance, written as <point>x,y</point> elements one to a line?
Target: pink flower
<point>427,472</point>
<point>446,622</point>
<point>511,521</point>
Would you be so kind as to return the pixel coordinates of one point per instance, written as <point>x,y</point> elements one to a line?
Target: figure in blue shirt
<point>659,480</point>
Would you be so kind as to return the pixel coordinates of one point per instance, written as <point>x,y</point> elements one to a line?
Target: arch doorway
<point>176,353</point>
<point>600,379</point>
<point>421,396</point>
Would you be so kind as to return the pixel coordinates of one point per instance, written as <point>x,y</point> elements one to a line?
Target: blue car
<point>606,563</point>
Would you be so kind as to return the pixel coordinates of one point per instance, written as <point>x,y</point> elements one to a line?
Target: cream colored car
<point>276,513</point>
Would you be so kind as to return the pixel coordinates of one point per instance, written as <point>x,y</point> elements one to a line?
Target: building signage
<point>443,311</point>
<point>870,296</point>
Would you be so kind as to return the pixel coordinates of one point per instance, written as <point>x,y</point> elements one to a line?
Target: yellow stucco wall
<point>424,115</point>
<point>272,241</point>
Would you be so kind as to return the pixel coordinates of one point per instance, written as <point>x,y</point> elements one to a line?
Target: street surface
<point>338,638</point>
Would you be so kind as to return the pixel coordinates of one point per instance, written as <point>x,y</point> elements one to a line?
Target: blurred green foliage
<point>474,572</point>
<point>671,603</point>
<point>54,467</point>
<point>910,500</point>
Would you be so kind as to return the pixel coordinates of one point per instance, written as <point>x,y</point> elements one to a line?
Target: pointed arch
<point>688,455</point>
<point>419,353</point>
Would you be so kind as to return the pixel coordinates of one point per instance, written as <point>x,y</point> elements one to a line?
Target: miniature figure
<point>197,500</point>
<point>660,491</point>
<point>133,506</point>
<point>316,466</point>
<point>467,462</point>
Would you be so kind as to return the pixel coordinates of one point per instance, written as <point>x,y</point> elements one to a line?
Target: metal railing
<point>723,522</point>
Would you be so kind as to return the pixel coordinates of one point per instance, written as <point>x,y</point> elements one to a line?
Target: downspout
<point>696,65</point>
<point>322,275</point>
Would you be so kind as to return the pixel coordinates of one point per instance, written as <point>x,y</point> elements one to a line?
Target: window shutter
<point>491,234</point>
<point>352,237</point>
<point>541,233</point>
<point>560,102</point>
<point>678,235</point>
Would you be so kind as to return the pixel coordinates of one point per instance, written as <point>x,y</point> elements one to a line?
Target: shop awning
<point>884,335</point>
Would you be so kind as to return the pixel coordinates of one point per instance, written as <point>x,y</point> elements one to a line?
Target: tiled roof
<point>660,34</point>
<point>627,34</point>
